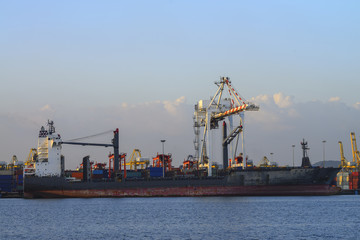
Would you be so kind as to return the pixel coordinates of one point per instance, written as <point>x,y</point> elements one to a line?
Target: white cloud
<point>171,107</point>
<point>282,101</point>
<point>334,99</point>
<point>46,108</point>
<point>261,99</point>
<point>357,105</point>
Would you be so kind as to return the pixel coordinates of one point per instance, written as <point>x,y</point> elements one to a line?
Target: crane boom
<point>355,151</point>
<point>115,145</point>
<point>89,144</point>
<point>343,163</point>
<point>238,104</point>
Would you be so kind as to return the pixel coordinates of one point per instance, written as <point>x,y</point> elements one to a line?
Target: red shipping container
<point>355,182</point>
<point>78,175</point>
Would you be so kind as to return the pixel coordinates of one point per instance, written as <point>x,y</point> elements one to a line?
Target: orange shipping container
<point>78,175</point>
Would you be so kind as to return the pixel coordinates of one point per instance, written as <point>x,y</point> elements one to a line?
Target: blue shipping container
<point>6,177</point>
<point>98,171</point>
<point>156,174</point>
<point>156,169</point>
<point>6,189</point>
<point>6,181</point>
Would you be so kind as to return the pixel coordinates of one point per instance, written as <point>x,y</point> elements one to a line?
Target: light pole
<point>324,152</point>
<point>272,157</point>
<point>163,141</point>
<point>293,147</point>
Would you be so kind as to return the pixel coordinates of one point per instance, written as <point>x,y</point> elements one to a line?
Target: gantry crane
<point>208,113</point>
<point>135,159</point>
<point>163,161</point>
<point>344,163</point>
<point>355,151</point>
<point>265,162</point>
<point>31,157</point>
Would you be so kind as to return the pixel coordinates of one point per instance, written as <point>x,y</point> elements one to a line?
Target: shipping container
<point>10,181</point>
<point>98,171</point>
<point>78,175</point>
<point>5,189</point>
<point>6,172</point>
<point>5,177</point>
<point>133,174</point>
<point>156,171</point>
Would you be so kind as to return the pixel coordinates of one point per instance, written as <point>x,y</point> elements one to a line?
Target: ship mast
<point>305,158</point>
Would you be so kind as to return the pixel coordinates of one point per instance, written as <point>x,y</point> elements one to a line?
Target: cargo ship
<point>47,179</point>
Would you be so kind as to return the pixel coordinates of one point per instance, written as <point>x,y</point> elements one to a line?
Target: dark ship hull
<point>249,182</point>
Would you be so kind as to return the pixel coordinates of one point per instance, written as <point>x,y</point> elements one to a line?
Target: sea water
<point>330,217</point>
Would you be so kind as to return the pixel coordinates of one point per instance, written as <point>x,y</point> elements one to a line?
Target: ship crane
<point>208,113</point>
<point>114,144</point>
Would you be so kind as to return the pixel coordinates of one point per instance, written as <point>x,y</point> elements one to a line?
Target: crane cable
<point>95,135</point>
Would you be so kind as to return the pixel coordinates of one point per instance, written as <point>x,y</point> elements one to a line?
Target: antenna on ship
<point>51,126</point>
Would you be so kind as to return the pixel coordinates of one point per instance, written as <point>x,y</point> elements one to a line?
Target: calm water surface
<point>334,217</point>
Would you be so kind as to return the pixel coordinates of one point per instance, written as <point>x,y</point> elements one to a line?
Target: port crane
<point>135,159</point>
<point>31,157</point>
<point>208,114</point>
<point>354,150</point>
<point>355,163</point>
<point>345,164</point>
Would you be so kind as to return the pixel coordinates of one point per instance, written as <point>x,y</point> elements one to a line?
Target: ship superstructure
<point>49,160</point>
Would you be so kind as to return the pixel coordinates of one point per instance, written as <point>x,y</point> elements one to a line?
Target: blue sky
<point>68,60</point>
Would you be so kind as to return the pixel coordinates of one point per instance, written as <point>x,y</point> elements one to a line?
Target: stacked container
<point>77,175</point>
<point>354,180</point>
<point>97,174</point>
<point>7,183</point>
<point>156,171</point>
<point>134,173</point>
